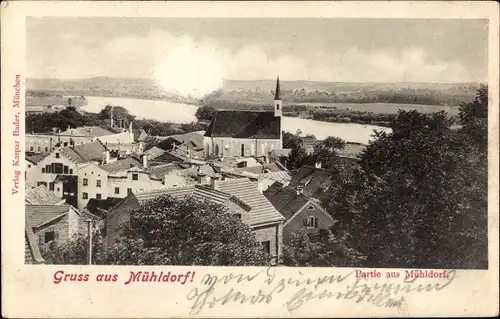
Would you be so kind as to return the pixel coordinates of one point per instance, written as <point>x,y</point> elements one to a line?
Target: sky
<point>178,51</point>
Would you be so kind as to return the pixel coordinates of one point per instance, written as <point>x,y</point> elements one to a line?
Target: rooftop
<point>312,180</point>
<point>120,165</point>
<point>85,152</point>
<point>38,215</point>
<point>285,199</point>
<point>41,195</point>
<point>89,131</point>
<point>262,210</point>
<point>36,158</point>
<point>245,124</point>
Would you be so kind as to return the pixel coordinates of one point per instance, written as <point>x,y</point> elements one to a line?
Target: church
<point>234,133</point>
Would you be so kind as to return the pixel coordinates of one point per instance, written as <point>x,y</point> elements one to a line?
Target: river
<point>184,113</point>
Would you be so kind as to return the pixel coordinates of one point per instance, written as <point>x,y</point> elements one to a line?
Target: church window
<point>278,106</point>
<point>242,149</point>
<point>217,152</point>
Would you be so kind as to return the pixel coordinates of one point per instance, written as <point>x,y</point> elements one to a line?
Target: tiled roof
<point>85,152</point>
<point>245,124</point>
<point>31,250</point>
<point>41,195</point>
<point>89,131</point>
<point>313,180</point>
<point>206,170</point>
<point>351,150</point>
<point>261,169</point>
<point>159,171</point>
<point>97,206</point>
<point>216,196</point>
<point>37,215</point>
<point>177,192</point>
<point>194,137</point>
<point>262,210</point>
<point>285,199</point>
<point>120,165</point>
<point>154,152</point>
<point>36,158</point>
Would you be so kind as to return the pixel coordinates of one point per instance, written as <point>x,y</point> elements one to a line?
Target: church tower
<point>278,104</point>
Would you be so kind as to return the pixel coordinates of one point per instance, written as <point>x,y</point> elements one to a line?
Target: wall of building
<point>124,138</point>
<point>32,174</point>
<point>92,173</point>
<point>269,233</point>
<point>61,229</point>
<point>52,159</point>
<point>297,222</point>
<point>252,147</point>
<point>126,181</point>
<point>46,143</point>
<point>117,218</point>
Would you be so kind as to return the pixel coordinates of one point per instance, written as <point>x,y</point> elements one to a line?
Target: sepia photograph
<point>248,142</point>
<point>276,159</point>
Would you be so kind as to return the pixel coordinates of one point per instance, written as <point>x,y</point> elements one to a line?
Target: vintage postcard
<point>249,159</point>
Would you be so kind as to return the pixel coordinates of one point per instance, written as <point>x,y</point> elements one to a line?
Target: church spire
<point>277,93</point>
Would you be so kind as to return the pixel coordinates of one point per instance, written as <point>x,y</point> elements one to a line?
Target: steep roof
<point>177,192</point>
<point>312,180</point>
<point>85,152</point>
<point>89,131</point>
<point>285,199</point>
<point>245,124</point>
<point>154,152</point>
<point>262,210</point>
<point>31,250</point>
<point>38,215</point>
<point>41,195</point>
<point>218,197</point>
<point>36,158</point>
<point>120,165</point>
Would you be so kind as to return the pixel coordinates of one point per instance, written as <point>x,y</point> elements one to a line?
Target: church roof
<point>245,124</point>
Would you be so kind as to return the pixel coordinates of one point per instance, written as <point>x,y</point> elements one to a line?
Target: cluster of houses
<point>91,176</point>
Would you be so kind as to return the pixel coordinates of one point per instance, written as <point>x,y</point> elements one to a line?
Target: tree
<point>298,155</point>
<point>75,251</point>
<point>321,248</point>
<point>420,199</point>
<point>474,117</point>
<point>205,113</point>
<point>169,231</point>
<point>325,152</point>
<point>119,113</point>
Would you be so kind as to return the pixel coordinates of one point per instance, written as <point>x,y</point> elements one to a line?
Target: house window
<point>58,168</point>
<point>98,183</point>
<point>135,177</point>
<point>310,207</point>
<point>57,155</point>
<point>41,183</point>
<point>65,144</point>
<point>51,186</point>
<point>85,195</point>
<point>117,190</point>
<point>238,216</point>
<point>242,149</point>
<point>29,165</point>
<point>66,169</point>
<point>266,247</point>
<point>71,171</point>
<point>39,148</point>
<point>311,222</point>
<point>49,236</point>
<point>85,182</point>
<point>98,196</point>
<point>43,169</point>
<point>46,149</point>
<point>58,189</point>
<point>31,148</point>
<point>129,191</point>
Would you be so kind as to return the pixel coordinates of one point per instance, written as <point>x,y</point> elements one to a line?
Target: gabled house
<point>240,196</point>
<point>58,223</point>
<point>311,181</point>
<point>299,211</point>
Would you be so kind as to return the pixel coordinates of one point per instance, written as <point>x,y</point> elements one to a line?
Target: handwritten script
<point>219,291</point>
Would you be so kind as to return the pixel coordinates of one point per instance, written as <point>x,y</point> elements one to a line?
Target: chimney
<point>213,182</point>
<point>317,165</point>
<point>106,157</point>
<point>145,160</point>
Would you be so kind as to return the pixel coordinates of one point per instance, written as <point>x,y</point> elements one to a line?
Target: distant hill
<point>261,91</point>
